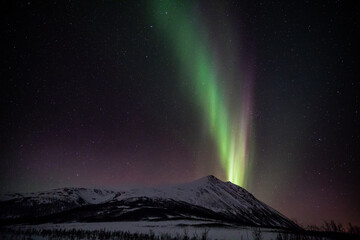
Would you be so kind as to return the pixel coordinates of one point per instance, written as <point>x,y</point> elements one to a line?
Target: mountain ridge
<point>205,198</point>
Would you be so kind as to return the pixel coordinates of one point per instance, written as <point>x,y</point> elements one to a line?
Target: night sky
<point>117,93</point>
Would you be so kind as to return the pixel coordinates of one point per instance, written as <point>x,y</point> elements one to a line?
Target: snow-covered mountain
<point>207,199</point>
<point>30,205</point>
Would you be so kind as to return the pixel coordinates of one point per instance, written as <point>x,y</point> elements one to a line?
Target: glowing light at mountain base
<point>227,125</point>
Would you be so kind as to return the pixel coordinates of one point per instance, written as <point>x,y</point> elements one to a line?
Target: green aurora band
<point>191,49</point>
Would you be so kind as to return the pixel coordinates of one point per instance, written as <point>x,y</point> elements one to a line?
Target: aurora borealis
<point>229,128</point>
<point>117,93</point>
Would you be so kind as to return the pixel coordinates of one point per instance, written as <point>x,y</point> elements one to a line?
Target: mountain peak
<point>210,179</point>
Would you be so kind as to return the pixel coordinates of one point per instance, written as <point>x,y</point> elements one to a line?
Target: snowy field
<point>174,228</point>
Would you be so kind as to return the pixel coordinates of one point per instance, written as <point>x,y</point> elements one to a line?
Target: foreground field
<point>155,230</point>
